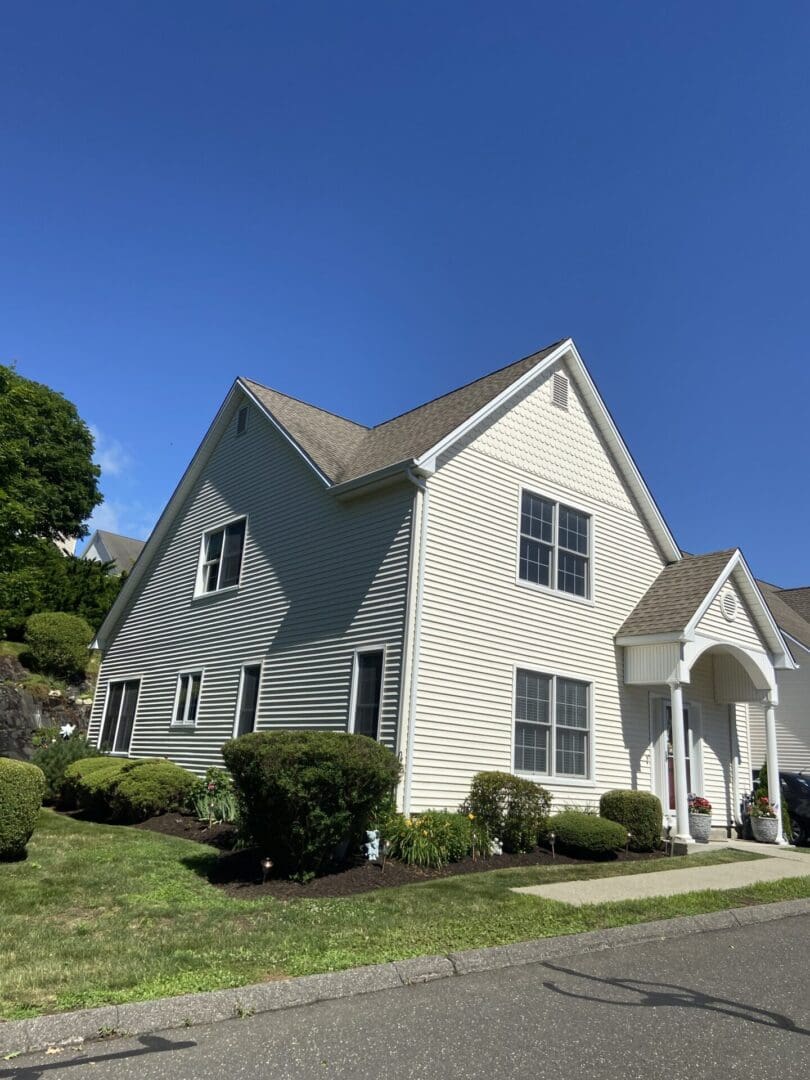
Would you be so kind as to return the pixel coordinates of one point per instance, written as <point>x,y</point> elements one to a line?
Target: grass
<point>99,914</point>
<point>12,648</point>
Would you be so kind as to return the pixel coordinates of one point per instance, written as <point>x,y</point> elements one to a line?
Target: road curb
<point>188,1010</point>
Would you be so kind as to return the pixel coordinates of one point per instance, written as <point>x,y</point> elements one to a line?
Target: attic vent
<point>728,605</point>
<point>559,390</point>
<point>241,420</point>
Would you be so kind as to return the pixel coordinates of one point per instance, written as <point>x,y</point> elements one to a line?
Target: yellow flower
<point>471,817</point>
<point>408,822</point>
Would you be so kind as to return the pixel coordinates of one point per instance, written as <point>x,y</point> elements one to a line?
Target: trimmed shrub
<point>639,813</point>
<point>144,789</point>
<point>511,809</point>
<point>55,756</point>
<point>432,838</point>
<point>88,784</point>
<point>58,643</point>
<point>22,786</point>
<point>305,795</point>
<point>587,834</point>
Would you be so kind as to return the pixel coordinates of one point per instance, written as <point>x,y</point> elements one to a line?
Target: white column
<point>772,758</point>
<point>679,760</point>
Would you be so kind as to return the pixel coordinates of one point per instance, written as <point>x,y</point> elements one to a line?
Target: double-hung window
<point>555,542</point>
<point>552,725</point>
<point>187,699</point>
<point>119,716</point>
<point>222,557</point>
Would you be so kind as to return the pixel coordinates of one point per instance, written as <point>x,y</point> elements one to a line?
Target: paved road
<point>723,1004</point>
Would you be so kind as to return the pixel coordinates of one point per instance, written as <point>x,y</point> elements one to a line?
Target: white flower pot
<point>764,829</point>
<point>700,827</point>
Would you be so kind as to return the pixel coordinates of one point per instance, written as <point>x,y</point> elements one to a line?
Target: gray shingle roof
<point>122,550</point>
<point>344,450</point>
<point>676,594</point>
<point>786,608</point>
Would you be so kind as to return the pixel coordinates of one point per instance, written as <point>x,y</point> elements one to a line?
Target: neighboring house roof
<point>786,608</point>
<point>111,547</point>
<point>343,450</point>
<point>676,594</point>
<point>798,599</point>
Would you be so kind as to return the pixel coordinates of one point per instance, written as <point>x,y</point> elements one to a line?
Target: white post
<point>772,758</point>
<point>682,835</point>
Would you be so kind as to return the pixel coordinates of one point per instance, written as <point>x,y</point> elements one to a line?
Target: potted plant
<point>700,818</point>
<point>764,825</point>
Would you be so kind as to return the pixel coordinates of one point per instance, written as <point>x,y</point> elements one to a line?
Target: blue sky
<point>366,205</point>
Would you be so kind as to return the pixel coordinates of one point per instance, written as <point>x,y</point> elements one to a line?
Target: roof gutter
<point>374,479</point>
<point>422,500</point>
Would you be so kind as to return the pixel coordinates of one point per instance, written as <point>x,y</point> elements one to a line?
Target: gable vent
<point>241,420</point>
<point>728,605</point>
<point>559,390</point>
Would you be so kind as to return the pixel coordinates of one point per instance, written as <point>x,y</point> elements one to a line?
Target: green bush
<point>510,808</point>
<point>304,795</point>
<point>587,834</point>
<point>22,786</point>
<point>54,757</point>
<point>432,838</point>
<point>58,643</point>
<point>639,813</point>
<point>144,789</point>
<point>88,784</point>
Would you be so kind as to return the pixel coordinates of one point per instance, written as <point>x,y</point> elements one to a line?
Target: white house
<point>484,582</point>
<point>108,547</point>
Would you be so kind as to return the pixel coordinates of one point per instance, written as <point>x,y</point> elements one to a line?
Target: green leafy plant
<point>88,784</point>
<point>58,643</point>
<point>144,789</point>
<point>432,838</point>
<point>22,786</point>
<point>762,807</point>
<point>762,789</point>
<point>639,813</point>
<point>511,809</point>
<point>214,799</point>
<point>699,805</point>
<point>305,795</point>
<point>54,756</point>
<point>587,834</point>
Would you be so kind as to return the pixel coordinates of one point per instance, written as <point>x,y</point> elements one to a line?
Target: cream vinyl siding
<point>716,744</point>
<point>479,622</point>
<point>320,578</point>
<point>792,718</point>
<point>741,631</point>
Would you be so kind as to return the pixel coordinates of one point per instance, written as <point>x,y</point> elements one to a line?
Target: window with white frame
<point>552,725</point>
<point>119,716</point>
<point>187,699</point>
<point>248,699</point>
<point>367,692</point>
<point>222,557</point>
<point>555,542</point>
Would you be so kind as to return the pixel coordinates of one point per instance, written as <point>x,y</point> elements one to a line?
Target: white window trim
<point>199,585</point>
<point>553,778</point>
<point>111,682</point>
<point>589,599</point>
<point>248,663</point>
<point>184,725</point>
<point>358,652</point>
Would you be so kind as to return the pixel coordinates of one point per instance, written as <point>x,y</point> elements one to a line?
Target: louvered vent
<point>728,605</point>
<point>241,420</point>
<point>559,390</point>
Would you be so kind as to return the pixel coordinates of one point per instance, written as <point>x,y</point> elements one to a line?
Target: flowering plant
<point>699,805</point>
<point>762,807</point>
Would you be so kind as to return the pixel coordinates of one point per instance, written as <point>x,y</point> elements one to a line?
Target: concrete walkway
<point>779,863</point>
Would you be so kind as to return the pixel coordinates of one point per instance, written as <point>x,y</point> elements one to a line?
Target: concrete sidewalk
<point>779,863</point>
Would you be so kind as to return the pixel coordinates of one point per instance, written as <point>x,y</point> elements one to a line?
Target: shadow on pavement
<point>150,1044</point>
<point>655,995</point>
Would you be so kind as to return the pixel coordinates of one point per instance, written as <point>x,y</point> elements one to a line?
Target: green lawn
<point>99,914</point>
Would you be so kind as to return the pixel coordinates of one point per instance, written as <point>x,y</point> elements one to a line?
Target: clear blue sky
<point>368,204</point>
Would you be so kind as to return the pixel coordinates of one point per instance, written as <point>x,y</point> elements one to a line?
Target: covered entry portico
<point>702,637</point>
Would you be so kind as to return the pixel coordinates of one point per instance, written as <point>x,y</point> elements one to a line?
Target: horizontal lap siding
<point>792,718</point>
<point>716,743</point>
<point>741,631</point>
<point>320,578</point>
<point>478,622</point>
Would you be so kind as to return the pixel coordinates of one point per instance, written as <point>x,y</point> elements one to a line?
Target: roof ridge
<point>122,536</point>
<point>472,382</point>
<point>309,405</point>
<point>709,554</point>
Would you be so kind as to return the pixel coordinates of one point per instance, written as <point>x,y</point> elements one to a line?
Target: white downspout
<point>423,498</point>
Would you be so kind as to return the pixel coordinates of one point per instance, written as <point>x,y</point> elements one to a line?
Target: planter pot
<point>700,827</point>
<point>764,829</point>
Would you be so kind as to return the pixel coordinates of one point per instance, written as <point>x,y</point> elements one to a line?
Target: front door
<point>665,759</point>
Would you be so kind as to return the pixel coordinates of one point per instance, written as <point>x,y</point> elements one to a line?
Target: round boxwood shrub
<point>587,834</point>
<point>55,756</point>
<point>306,794</point>
<point>22,786</point>
<point>58,643</point>
<point>89,783</point>
<point>432,838</point>
<point>512,809</point>
<point>639,813</point>
<point>144,789</point>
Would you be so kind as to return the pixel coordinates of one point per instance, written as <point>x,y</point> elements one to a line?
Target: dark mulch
<point>239,873</point>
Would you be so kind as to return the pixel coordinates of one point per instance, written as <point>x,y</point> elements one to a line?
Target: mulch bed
<point>239,873</point>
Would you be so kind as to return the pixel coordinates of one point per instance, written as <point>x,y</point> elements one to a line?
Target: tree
<point>48,482</point>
